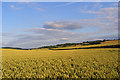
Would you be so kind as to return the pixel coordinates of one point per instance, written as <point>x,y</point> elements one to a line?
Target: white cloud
<point>40,9</point>
<point>38,37</point>
<point>34,6</point>
<point>69,25</point>
<point>13,7</point>
<point>56,32</point>
<point>64,38</point>
<point>97,6</point>
<point>105,17</point>
<point>66,4</point>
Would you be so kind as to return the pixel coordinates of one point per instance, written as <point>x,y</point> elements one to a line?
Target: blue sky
<point>35,24</point>
<point>60,0</point>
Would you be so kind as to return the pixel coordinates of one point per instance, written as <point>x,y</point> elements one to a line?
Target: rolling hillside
<point>106,44</point>
<point>77,63</point>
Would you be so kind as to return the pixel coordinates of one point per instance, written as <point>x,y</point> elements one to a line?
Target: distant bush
<point>92,42</point>
<point>49,47</point>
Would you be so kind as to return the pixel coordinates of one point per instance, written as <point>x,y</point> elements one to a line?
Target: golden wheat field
<point>44,63</point>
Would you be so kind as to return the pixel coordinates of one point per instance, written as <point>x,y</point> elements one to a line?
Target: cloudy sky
<point>30,24</point>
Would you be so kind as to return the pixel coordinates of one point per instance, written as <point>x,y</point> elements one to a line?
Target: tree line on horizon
<point>65,44</point>
<point>74,44</point>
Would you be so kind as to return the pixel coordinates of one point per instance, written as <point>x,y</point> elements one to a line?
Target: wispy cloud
<point>97,6</point>
<point>34,6</point>
<point>14,7</point>
<point>40,9</point>
<point>66,4</point>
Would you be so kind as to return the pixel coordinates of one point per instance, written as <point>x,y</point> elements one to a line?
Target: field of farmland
<point>44,63</point>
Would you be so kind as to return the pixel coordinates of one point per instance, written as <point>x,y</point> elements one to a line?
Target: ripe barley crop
<point>44,63</point>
